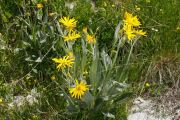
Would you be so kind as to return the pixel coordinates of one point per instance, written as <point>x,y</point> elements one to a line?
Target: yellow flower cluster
<point>79,90</point>
<point>131,26</point>
<point>70,24</point>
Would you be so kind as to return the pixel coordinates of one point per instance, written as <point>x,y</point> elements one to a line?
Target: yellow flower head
<point>131,20</point>
<point>129,32</point>
<point>71,55</point>
<point>85,30</point>
<point>53,77</point>
<point>140,32</point>
<point>79,90</point>
<point>72,36</point>
<point>68,23</point>
<point>131,26</point>
<point>64,62</point>
<point>39,6</point>
<point>90,39</point>
<point>147,85</point>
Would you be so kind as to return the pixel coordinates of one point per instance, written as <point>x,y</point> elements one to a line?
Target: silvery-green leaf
<point>43,41</point>
<point>26,43</point>
<point>109,115</point>
<point>28,59</point>
<point>34,70</point>
<point>106,59</point>
<point>39,60</point>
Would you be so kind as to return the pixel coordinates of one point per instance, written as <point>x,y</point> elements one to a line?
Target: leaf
<point>39,60</point>
<point>88,98</point>
<point>4,18</point>
<point>34,70</point>
<point>109,115</point>
<point>28,59</point>
<point>116,34</point>
<point>106,60</point>
<point>123,97</point>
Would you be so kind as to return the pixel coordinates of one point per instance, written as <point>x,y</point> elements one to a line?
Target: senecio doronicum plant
<point>90,78</point>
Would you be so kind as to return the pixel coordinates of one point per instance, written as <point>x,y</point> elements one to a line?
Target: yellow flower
<point>85,30</point>
<point>53,77</point>
<point>85,73</point>
<point>69,75</point>
<point>71,55</point>
<point>147,85</point>
<point>129,32</point>
<point>131,25</point>
<point>140,32</point>
<point>39,6</point>
<point>72,36</point>
<point>90,39</point>
<point>64,62</point>
<point>68,23</point>
<point>79,90</point>
<point>131,20</point>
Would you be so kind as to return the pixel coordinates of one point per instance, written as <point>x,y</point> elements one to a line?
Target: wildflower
<point>69,75</point>
<point>147,85</point>
<point>79,90</point>
<point>85,30</point>
<point>53,77</point>
<point>64,62</point>
<point>85,73</point>
<point>140,32</point>
<point>68,23</point>
<point>71,55</point>
<point>39,6</point>
<point>90,38</point>
<point>131,26</point>
<point>72,36</point>
<point>129,32</point>
<point>131,20</point>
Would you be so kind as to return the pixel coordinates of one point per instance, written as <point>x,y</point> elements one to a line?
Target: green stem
<point>127,62</point>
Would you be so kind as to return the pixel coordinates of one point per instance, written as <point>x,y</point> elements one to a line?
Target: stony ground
<point>166,107</point>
